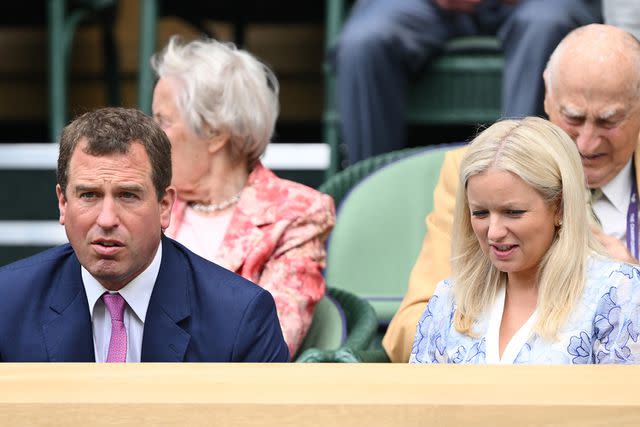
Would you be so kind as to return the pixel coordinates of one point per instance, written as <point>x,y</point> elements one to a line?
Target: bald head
<point>592,84</point>
<point>600,51</point>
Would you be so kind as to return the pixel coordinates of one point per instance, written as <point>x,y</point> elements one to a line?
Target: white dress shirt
<point>611,209</point>
<point>137,294</point>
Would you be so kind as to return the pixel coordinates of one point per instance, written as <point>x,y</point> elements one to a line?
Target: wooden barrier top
<point>318,395</point>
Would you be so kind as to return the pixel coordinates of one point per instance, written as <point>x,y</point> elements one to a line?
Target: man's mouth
<point>590,157</point>
<point>107,244</point>
<point>107,248</point>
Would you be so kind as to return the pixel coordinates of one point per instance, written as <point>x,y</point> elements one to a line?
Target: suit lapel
<point>164,340</point>
<point>66,328</point>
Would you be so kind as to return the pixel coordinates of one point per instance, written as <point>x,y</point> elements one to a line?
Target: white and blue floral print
<point>603,328</point>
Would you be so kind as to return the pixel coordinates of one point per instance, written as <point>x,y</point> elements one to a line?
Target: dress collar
<point>517,341</point>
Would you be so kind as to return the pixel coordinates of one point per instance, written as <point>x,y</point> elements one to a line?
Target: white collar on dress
<point>518,340</point>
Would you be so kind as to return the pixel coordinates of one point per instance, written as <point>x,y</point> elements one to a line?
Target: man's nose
<point>108,216</point>
<point>587,139</point>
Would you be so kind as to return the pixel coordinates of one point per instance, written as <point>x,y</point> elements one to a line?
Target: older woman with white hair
<point>218,106</point>
<point>529,283</point>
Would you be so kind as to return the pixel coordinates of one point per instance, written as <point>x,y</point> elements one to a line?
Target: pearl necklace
<point>214,207</point>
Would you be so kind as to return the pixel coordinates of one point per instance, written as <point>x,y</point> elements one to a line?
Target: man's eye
<point>573,120</point>
<point>608,124</point>
<point>128,195</point>
<point>87,195</point>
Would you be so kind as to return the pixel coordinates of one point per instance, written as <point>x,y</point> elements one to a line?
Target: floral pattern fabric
<point>603,328</point>
<point>276,239</point>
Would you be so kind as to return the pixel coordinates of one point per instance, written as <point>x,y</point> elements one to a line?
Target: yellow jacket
<point>433,264</point>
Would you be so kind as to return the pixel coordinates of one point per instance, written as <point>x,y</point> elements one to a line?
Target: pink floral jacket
<point>276,239</point>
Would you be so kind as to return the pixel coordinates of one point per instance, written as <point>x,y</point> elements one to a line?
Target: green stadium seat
<point>381,206</point>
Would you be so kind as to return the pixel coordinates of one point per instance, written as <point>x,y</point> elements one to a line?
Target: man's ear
<point>166,204</point>
<point>217,140</point>
<point>546,77</point>
<point>62,203</point>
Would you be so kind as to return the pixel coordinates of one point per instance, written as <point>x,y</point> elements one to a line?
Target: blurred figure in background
<point>384,43</point>
<point>624,14</point>
<point>219,105</point>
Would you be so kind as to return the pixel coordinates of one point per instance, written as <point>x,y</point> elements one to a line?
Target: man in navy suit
<point>121,291</point>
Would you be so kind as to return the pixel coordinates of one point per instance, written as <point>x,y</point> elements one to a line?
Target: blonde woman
<point>529,284</point>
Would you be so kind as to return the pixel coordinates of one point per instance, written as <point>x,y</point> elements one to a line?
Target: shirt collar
<point>136,293</point>
<point>618,190</point>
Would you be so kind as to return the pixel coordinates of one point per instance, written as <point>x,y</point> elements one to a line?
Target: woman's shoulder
<point>611,303</point>
<point>441,303</point>
<point>443,295</point>
<point>603,273</point>
<point>432,331</point>
<point>444,286</point>
<point>600,267</point>
<point>290,196</point>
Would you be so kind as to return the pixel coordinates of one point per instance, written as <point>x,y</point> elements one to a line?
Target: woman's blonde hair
<point>542,155</point>
<point>223,89</point>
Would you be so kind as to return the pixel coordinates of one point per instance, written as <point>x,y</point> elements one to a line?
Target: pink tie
<point>118,343</point>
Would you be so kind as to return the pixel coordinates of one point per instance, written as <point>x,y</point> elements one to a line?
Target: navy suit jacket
<point>198,312</point>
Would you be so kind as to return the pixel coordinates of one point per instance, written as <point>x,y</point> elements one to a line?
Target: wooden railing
<point>318,395</point>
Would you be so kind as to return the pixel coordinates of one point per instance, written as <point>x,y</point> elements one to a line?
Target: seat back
<point>380,227</point>
<point>329,326</point>
<point>341,321</point>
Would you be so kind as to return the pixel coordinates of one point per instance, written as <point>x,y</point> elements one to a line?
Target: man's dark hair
<point>112,131</point>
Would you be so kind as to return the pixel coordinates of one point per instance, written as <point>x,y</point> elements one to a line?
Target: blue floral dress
<point>603,328</point>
